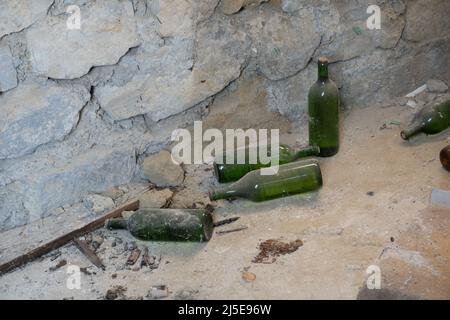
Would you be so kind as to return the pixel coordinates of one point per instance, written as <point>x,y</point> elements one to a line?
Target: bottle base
<point>328,152</point>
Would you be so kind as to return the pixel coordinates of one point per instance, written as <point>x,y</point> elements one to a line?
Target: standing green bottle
<point>323,109</point>
<point>430,120</point>
<point>292,178</point>
<point>167,224</point>
<point>233,172</point>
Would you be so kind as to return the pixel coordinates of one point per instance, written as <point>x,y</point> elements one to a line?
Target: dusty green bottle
<point>233,172</point>
<point>323,109</point>
<point>194,225</point>
<point>292,178</point>
<point>430,120</point>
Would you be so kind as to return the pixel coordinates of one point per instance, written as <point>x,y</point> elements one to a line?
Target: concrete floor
<point>372,210</point>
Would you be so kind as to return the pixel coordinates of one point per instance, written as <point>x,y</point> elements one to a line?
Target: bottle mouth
<point>403,135</point>
<point>411,131</point>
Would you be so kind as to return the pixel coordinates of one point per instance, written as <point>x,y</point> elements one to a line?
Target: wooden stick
<point>84,248</point>
<point>231,230</point>
<point>226,221</point>
<point>63,240</point>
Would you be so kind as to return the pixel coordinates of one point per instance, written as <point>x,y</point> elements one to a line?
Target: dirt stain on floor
<point>271,249</point>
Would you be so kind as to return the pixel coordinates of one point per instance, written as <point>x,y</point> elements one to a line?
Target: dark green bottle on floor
<point>323,109</point>
<point>430,120</point>
<point>292,178</point>
<point>233,172</point>
<point>146,224</point>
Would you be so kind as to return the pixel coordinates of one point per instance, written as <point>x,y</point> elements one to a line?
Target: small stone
<point>113,193</point>
<point>133,257</point>
<point>116,292</point>
<point>234,6</point>
<point>158,292</point>
<point>155,198</point>
<point>97,241</point>
<point>436,86</point>
<point>127,214</point>
<point>98,204</point>
<point>370,193</point>
<point>411,104</point>
<point>114,276</point>
<point>162,171</point>
<point>248,276</point>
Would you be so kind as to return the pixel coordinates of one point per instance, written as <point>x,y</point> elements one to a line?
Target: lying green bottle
<point>194,225</point>
<point>323,110</point>
<point>233,172</point>
<point>292,178</point>
<point>430,120</point>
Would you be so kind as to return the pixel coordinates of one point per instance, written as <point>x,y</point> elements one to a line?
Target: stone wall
<point>80,108</point>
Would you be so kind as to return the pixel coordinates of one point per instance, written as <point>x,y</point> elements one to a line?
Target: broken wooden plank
<point>65,239</point>
<point>134,256</point>
<point>84,248</point>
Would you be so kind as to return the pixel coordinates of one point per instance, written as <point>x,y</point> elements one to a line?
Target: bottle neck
<point>224,193</point>
<point>411,131</point>
<point>323,71</point>
<point>307,152</point>
<point>119,223</point>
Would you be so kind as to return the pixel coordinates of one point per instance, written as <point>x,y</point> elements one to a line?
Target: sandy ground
<point>373,210</point>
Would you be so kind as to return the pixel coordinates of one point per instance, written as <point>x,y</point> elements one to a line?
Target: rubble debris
<point>226,221</point>
<point>60,264</point>
<point>66,238</point>
<point>127,214</point>
<point>113,193</point>
<point>234,6</point>
<point>86,271</point>
<point>149,260</point>
<point>436,86</point>
<point>158,292</point>
<point>97,241</point>
<point>271,249</point>
<point>411,104</point>
<point>440,197</point>
<point>116,292</point>
<point>417,91</point>
<point>162,171</point>
<point>248,276</point>
<point>155,198</point>
<point>186,294</point>
<point>92,257</point>
<point>55,255</point>
<point>98,204</point>
<point>133,257</point>
<point>232,230</point>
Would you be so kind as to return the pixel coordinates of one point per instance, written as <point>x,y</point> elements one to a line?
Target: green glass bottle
<point>323,109</point>
<point>146,224</point>
<point>233,172</point>
<point>292,178</point>
<point>430,120</point>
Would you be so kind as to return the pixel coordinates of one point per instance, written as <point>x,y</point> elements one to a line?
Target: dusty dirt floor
<point>373,210</point>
